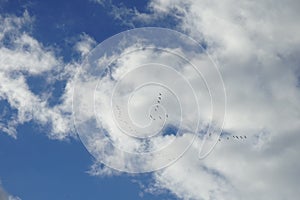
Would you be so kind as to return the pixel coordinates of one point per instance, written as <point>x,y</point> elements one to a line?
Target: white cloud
<point>257,48</point>
<point>85,44</point>
<point>256,44</point>
<point>22,56</point>
<point>92,99</point>
<point>98,169</point>
<point>126,16</point>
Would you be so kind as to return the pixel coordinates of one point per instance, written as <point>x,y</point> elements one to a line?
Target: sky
<point>224,78</point>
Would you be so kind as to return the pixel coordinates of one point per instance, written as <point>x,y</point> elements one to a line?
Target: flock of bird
<point>159,98</point>
<point>120,118</point>
<point>244,137</point>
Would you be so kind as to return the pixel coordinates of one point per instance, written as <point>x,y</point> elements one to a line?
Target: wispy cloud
<point>22,57</point>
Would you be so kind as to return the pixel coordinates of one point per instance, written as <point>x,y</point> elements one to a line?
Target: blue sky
<point>35,167</point>
<point>252,45</point>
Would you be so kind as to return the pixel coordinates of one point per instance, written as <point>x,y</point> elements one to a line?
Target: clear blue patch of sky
<point>34,167</point>
<point>170,130</point>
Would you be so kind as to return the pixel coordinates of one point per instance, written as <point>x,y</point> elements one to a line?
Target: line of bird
<point>159,98</point>
<point>234,136</point>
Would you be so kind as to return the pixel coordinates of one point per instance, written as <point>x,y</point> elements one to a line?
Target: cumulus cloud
<point>256,44</point>
<point>108,99</point>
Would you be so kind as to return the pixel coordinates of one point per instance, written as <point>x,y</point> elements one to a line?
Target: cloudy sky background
<point>255,44</point>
